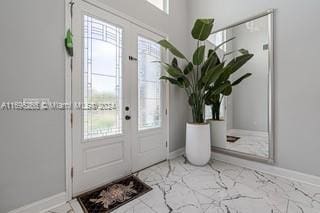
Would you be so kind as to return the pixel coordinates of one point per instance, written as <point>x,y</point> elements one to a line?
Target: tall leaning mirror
<point>245,125</point>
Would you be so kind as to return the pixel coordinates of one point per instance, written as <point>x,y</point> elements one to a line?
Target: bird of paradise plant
<point>198,77</point>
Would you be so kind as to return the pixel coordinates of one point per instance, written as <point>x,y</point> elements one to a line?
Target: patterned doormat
<point>113,195</point>
<point>232,139</point>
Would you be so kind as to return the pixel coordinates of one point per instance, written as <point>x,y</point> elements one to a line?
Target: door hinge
<point>71,119</point>
<point>166,144</point>
<point>72,172</point>
<point>166,112</point>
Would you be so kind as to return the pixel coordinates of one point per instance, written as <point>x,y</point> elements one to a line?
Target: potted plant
<point>194,78</point>
<point>221,88</point>
<point>204,79</point>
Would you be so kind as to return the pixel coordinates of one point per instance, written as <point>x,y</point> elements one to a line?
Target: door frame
<point>68,85</point>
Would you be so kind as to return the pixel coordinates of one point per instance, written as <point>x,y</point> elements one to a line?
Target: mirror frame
<point>271,159</point>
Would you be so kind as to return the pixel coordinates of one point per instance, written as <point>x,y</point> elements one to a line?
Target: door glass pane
<point>149,95</point>
<point>102,69</point>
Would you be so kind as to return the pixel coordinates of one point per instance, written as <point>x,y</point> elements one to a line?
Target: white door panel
<point>107,144</point>
<point>149,144</point>
<point>101,146</point>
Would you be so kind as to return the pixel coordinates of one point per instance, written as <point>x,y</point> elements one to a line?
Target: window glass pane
<point>208,110</point>
<point>149,86</point>
<point>159,4</point>
<point>102,79</point>
<point>217,38</point>
<point>104,55</point>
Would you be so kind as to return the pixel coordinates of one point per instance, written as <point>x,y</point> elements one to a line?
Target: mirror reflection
<point>243,120</point>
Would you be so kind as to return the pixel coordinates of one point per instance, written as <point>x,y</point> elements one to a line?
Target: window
<point>102,78</point>
<point>208,110</point>
<point>218,38</point>
<point>149,84</point>
<point>161,4</point>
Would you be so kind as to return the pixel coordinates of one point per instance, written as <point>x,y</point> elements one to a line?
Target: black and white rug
<point>113,195</point>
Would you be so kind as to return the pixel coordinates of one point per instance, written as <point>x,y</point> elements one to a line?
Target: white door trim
<point>68,96</point>
<point>68,84</point>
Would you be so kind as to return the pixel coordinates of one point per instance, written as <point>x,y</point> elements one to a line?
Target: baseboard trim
<point>269,169</point>
<point>43,205</point>
<point>176,153</point>
<point>76,206</point>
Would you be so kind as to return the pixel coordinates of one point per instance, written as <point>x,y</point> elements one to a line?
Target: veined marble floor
<point>216,188</point>
<point>250,142</point>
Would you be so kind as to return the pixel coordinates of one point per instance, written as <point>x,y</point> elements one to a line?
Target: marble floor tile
<point>250,142</point>
<point>179,187</point>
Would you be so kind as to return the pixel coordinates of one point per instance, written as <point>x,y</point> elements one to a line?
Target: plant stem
<point>215,110</point>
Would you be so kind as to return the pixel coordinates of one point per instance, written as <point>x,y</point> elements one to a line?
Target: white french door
<point>119,119</point>
<point>149,98</point>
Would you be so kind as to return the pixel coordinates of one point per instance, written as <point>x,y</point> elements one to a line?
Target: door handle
<point>131,58</point>
<point>127,117</point>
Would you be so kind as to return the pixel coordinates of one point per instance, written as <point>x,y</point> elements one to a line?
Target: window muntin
<point>102,78</point>
<point>149,85</point>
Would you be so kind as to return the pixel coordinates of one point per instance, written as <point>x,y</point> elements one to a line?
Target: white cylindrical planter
<point>198,148</point>
<point>218,129</point>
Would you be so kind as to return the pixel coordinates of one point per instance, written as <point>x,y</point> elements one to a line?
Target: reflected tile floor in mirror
<point>216,188</point>
<point>250,142</point>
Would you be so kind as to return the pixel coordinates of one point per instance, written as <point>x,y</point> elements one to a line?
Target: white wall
<point>32,153</point>
<point>297,96</point>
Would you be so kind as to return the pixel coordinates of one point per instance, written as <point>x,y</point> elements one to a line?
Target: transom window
<point>161,4</point>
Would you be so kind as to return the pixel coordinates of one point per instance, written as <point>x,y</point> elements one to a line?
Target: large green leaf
<point>198,55</point>
<point>214,92</point>
<point>188,68</point>
<point>184,81</point>
<point>234,65</point>
<point>212,99</point>
<point>171,70</point>
<point>174,72</point>
<point>174,63</point>
<point>178,76</point>
<point>212,61</point>
<point>202,29</point>
<point>172,81</point>
<point>213,74</point>
<point>167,45</point>
<point>228,90</point>
<point>238,62</point>
<point>238,81</point>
